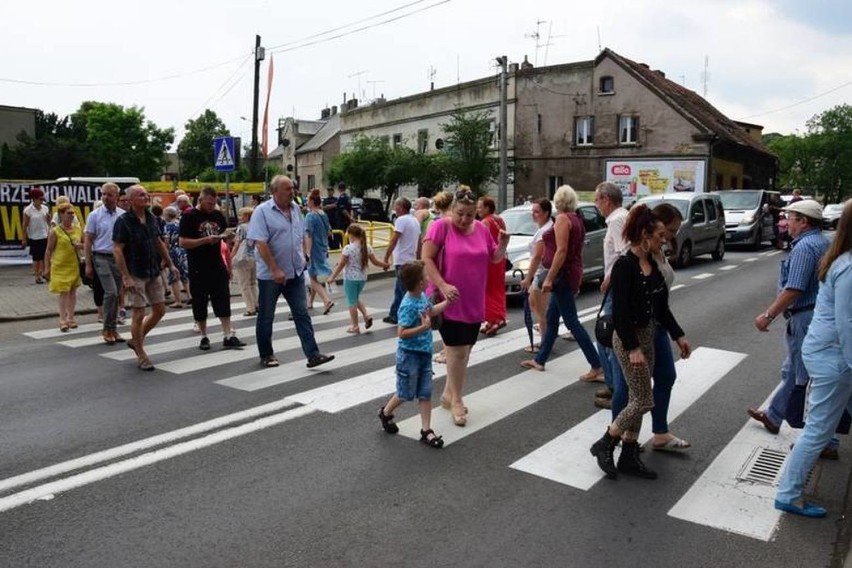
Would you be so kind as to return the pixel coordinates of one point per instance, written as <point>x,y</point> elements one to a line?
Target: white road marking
<point>773,253</point>
<point>729,267</point>
<point>717,499</point>
<point>52,488</point>
<point>750,259</point>
<point>566,458</point>
<point>703,276</point>
<point>677,287</point>
<point>495,402</point>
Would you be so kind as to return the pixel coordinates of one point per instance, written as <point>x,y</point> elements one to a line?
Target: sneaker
<point>318,360</point>
<point>195,328</point>
<point>205,344</point>
<point>390,320</point>
<point>232,342</point>
<point>270,361</point>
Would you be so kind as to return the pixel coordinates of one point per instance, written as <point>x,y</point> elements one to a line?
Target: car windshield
<point>519,222</point>
<point>681,204</point>
<point>833,208</point>
<point>740,199</point>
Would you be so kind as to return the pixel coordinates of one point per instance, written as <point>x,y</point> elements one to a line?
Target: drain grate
<point>763,466</point>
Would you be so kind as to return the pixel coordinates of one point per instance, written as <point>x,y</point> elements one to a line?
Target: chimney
<point>645,65</point>
<point>526,64</point>
<point>325,113</point>
<point>513,68</point>
<point>660,73</point>
<point>333,110</point>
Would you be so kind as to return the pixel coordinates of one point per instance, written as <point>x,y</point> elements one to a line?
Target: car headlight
<point>747,219</point>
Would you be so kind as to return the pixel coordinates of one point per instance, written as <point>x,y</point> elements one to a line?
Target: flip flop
<point>675,445</point>
<point>328,308</point>
<point>532,349</point>
<point>531,364</point>
<point>593,377</point>
<point>368,322</point>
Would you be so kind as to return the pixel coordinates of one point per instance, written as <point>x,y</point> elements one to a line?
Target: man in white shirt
<point>608,199</point>
<point>403,246</point>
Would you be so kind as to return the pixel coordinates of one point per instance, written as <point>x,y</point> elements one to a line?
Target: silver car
<point>703,228</point>
<point>521,228</point>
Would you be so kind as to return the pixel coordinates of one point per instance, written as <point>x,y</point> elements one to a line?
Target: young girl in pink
<point>353,263</point>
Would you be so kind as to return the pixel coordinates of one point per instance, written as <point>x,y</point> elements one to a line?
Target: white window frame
<point>584,131</point>
<point>628,129</point>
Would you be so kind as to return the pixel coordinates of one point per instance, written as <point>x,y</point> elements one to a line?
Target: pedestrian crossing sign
<point>223,154</point>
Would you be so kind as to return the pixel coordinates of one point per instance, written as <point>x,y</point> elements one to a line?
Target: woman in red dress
<point>495,287</point>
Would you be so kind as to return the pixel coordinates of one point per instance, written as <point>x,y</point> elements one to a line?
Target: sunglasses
<point>465,196</point>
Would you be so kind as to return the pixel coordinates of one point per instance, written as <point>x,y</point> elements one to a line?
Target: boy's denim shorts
<point>413,374</point>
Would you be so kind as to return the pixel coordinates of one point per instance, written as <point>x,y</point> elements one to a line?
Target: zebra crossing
<point>173,350</point>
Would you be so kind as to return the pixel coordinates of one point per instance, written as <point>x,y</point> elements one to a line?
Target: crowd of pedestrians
<point>448,255</point>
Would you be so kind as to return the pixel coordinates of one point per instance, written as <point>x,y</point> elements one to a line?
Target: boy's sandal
<point>387,422</point>
<point>429,438</point>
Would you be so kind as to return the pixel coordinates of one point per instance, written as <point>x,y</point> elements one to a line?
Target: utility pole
<point>502,189</point>
<point>259,55</point>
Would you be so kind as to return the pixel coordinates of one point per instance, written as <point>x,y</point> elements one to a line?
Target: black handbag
<point>437,319</point>
<point>604,326</point>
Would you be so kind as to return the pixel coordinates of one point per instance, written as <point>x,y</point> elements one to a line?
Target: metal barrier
<point>378,235</point>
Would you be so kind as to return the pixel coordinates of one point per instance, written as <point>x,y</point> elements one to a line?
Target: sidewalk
<point>22,299</point>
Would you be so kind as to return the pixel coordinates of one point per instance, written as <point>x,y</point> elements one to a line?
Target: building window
<point>719,182</point>
<point>606,85</point>
<point>585,130</point>
<point>733,182</point>
<point>312,181</point>
<point>628,129</point>
<point>397,139</point>
<point>493,134</point>
<point>553,183</point>
<point>422,141</point>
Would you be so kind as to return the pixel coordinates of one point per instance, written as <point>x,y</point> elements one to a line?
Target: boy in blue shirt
<point>414,353</point>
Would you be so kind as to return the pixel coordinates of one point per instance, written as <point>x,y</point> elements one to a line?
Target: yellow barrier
<point>378,234</point>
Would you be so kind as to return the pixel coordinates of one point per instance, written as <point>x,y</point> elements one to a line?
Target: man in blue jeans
<point>278,231</point>
<point>797,292</point>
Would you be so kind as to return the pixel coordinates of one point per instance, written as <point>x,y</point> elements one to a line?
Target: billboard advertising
<point>638,178</point>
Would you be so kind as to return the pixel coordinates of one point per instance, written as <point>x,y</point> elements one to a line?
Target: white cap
<point>807,207</point>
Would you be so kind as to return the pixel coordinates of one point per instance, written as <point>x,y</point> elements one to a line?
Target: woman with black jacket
<point>640,303</point>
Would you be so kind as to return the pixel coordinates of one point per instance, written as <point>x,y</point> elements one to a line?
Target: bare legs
<point>457,359</point>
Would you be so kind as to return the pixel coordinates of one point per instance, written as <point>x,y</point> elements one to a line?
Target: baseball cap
<point>807,207</point>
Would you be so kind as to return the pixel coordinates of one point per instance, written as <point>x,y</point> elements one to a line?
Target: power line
<point>356,30</point>
<point>800,102</point>
<point>123,83</point>
<point>207,103</point>
<point>332,30</point>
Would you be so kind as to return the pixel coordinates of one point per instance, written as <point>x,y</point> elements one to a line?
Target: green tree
<point>429,172</point>
<point>121,141</point>
<point>361,166</point>
<point>830,144</point>
<point>196,147</point>
<point>58,148</point>
<point>468,149</point>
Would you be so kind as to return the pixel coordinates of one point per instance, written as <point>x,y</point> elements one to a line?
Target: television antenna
<point>358,74</point>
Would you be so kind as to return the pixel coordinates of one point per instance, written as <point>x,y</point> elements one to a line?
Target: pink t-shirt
<point>463,261</point>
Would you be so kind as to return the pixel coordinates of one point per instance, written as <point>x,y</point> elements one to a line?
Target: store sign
<point>638,178</point>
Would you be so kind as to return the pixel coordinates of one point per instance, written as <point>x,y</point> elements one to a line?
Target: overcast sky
<point>775,63</point>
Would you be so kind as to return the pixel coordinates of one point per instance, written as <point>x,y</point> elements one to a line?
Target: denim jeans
<point>398,294</point>
<point>793,370</point>
<point>664,378</point>
<point>293,291</point>
<point>562,303</point>
<point>830,395</point>
<point>110,277</point>
<point>613,375</point>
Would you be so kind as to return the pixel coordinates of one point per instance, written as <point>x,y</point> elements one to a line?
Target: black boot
<point>603,450</point>
<point>630,464</point>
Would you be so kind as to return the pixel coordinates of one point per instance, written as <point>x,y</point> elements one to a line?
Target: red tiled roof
<point>689,103</point>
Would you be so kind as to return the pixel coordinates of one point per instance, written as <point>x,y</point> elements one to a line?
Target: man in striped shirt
<point>797,291</point>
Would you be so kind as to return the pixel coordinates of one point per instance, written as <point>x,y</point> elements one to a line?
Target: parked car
<point>747,215</point>
<point>373,209</point>
<point>703,227</point>
<point>521,228</point>
<point>831,215</point>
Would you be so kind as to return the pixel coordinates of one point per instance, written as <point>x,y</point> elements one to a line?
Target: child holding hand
<point>414,353</point>
<point>353,263</point>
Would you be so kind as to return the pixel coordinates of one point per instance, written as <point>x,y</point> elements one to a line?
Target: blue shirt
<point>799,270</point>
<point>318,227</point>
<point>283,235</point>
<point>830,332</point>
<point>99,225</point>
<point>409,316</point>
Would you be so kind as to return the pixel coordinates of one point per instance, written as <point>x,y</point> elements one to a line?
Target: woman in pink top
<point>457,252</point>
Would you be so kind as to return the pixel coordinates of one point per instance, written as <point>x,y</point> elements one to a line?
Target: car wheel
<point>719,253</point>
<point>684,255</point>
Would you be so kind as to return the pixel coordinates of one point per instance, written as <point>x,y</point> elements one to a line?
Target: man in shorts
<point>139,253</point>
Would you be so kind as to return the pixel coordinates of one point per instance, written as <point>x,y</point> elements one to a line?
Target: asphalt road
<point>311,480</point>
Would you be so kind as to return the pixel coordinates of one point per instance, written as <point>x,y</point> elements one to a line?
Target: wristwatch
<point>767,316</point>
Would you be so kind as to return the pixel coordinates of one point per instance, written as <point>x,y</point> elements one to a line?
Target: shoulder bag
<point>604,326</point>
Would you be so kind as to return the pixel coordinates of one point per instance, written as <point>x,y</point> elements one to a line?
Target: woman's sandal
<point>63,327</point>
<point>368,322</point>
<point>440,358</point>
<point>429,438</point>
<point>446,404</point>
<point>328,307</point>
<point>459,419</point>
<point>532,349</point>
<point>593,376</point>
<point>531,364</point>
<point>353,330</point>
<point>73,324</point>
<point>176,306</point>
<point>387,422</point>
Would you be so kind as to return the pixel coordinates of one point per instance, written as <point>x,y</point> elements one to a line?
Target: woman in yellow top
<point>62,262</point>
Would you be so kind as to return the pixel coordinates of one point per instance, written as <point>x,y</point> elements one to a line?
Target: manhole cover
<point>764,466</point>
